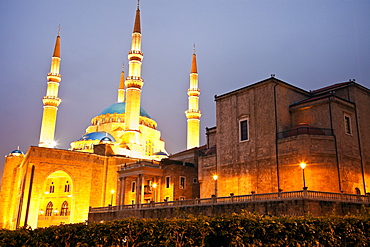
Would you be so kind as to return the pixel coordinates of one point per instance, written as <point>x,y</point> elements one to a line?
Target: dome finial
<point>123,66</point>
<point>194,48</point>
<point>138,4</point>
<point>59,30</point>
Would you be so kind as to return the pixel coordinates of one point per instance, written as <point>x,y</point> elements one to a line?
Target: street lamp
<point>111,199</point>
<point>215,177</point>
<point>303,166</point>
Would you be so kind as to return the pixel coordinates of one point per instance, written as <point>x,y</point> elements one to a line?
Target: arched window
<point>149,148</point>
<point>66,187</point>
<point>49,209</point>
<point>51,187</point>
<point>64,209</point>
<point>358,191</point>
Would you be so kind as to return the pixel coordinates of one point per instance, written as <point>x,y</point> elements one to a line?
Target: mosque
<point>48,186</point>
<point>270,137</point>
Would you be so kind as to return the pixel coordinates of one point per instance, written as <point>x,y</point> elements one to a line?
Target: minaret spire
<point>193,113</point>
<point>51,100</point>
<point>121,88</point>
<point>134,84</point>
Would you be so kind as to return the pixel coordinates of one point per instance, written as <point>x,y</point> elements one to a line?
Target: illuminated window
<point>49,209</point>
<point>51,187</point>
<point>244,130</point>
<point>133,186</point>
<point>182,182</point>
<point>64,209</point>
<point>347,124</point>
<point>168,180</point>
<point>66,187</point>
<point>149,148</point>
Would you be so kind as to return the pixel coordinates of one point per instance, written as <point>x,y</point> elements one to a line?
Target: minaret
<point>134,82</point>
<point>51,100</point>
<point>193,113</point>
<point>121,88</point>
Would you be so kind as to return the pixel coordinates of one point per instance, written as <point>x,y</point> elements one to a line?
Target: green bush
<point>244,229</point>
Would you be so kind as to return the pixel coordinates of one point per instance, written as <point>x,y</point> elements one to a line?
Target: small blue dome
<point>16,152</point>
<point>97,136</point>
<point>120,108</point>
<point>161,153</point>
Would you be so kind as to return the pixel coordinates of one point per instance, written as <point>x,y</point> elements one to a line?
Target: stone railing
<point>304,130</point>
<point>278,196</point>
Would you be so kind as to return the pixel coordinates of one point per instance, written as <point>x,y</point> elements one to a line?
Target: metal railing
<point>290,195</point>
<point>304,130</point>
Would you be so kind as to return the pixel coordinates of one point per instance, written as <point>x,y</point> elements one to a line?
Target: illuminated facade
<point>193,113</point>
<point>51,100</point>
<point>127,127</point>
<point>264,131</point>
<point>49,186</point>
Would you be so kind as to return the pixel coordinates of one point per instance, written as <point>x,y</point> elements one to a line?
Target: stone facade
<point>327,129</point>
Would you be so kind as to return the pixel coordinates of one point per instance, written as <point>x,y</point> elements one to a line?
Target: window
<point>182,182</point>
<point>66,187</point>
<point>243,130</point>
<point>347,124</point>
<point>49,209</point>
<point>149,148</point>
<point>168,180</point>
<point>182,198</point>
<point>133,186</point>
<point>51,187</point>
<point>64,209</point>
<point>195,180</point>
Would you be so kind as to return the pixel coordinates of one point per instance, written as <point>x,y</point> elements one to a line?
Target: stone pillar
<point>142,189</point>
<point>138,189</point>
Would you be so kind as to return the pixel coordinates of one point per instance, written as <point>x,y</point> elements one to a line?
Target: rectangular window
<point>182,198</point>
<point>133,186</point>
<point>182,182</point>
<point>195,180</point>
<point>168,180</point>
<point>244,130</point>
<point>347,124</point>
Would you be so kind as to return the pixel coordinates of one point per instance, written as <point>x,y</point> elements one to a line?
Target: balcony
<point>304,131</point>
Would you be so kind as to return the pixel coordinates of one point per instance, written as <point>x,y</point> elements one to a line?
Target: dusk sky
<point>307,43</point>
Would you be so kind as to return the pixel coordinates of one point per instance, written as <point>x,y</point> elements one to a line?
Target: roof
<point>271,79</point>
<point>97,136</point>
<point>120,108</point>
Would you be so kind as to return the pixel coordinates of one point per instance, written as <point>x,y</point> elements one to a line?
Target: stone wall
<point>295,207</point>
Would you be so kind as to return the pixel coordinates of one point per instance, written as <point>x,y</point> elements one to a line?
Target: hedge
<point>244,229</point>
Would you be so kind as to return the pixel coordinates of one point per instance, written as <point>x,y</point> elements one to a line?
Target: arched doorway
<point>56,199</point>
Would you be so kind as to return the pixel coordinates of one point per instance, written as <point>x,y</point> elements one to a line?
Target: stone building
<point>264,131</point>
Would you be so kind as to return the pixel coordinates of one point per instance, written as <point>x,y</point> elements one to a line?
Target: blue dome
<point>16,152</point>
<point>120,108</point>
<point>96,136</point>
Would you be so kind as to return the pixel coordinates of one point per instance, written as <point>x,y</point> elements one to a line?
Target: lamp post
<point>215,177</point>
<point>303,166</point>
<point>111,198</point>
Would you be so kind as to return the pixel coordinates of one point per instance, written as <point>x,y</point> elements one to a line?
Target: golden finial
<point>59,30</point>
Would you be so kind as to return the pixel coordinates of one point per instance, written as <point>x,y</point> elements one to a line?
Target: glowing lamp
<point>154,185</point>
<point>215,177</point>
<point>302,165</point>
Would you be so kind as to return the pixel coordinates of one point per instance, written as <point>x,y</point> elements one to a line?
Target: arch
<point>49,209</point>
<point>358,191</point>
<point>64,209</point>
<point>56,180</point>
